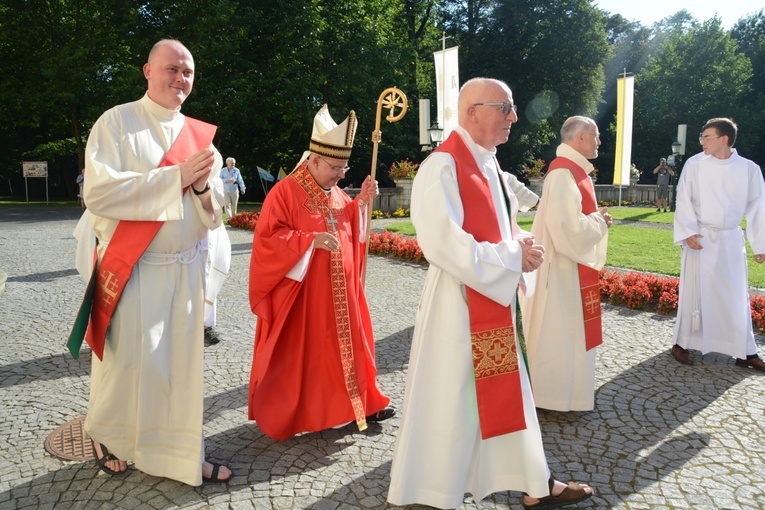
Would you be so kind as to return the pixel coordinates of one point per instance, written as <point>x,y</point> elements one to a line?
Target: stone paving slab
<point>662,436</point>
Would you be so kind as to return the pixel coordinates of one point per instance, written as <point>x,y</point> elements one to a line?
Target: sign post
<point>35,169</point>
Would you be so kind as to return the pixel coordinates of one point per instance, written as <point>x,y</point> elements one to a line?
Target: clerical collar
<point>162,113</point>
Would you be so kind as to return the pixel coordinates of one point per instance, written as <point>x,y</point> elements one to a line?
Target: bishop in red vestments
<point>314,360</point>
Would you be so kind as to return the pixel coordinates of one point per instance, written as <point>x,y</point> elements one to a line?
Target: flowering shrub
<point>534,169</point>
<point>376,215</point>
<point>403,169</point>
<point>245,220</point>
<point>642,291</point>
<point>400,246</point>
<point>638,290</point>
<point>668,301</point>
<point>401,213</point>
<point>657,293</point>
<point>758,312</point>
<point>634,172</point>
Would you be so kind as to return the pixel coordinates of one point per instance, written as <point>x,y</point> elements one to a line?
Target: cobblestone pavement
<point>663,435</point>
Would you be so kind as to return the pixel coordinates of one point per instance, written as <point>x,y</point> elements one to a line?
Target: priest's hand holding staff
<point>369,190</point>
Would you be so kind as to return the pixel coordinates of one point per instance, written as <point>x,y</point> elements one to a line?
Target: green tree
<point>749,33</point>
<point>62,61</point>
<point>530,45</point>
<point>693,76</point>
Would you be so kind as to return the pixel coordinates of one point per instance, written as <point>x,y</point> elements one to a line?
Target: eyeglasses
<point>506,107</point>
<point>334,168</point>
<point>707,137</point>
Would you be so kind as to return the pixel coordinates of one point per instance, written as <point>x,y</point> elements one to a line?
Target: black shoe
<point>382,414</point>
<point>211,336</point>
<point>658,210</point>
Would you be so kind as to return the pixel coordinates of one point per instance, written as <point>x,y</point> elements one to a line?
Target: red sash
<point>495,358</point>
<point>589,278</point>
<point>130,240</point>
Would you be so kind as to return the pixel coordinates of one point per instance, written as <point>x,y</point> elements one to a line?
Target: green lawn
<point>642,248</point>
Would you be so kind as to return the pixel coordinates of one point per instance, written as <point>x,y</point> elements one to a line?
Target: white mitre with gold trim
<point>332,140</point>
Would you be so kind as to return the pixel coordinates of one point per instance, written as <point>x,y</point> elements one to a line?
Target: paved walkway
<point>663,435</point>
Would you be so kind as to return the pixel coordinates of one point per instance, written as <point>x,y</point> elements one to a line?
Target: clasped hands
<point>607,217</point>
<point>533,254</point>
<point>197,169</point>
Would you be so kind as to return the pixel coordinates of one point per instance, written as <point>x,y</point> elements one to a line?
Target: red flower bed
<point>640,291</point>
<point>388,244</point>
<point>245,220</point>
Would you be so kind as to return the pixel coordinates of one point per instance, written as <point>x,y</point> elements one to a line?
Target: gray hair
<point>230,159</point>
<point>575,125</point>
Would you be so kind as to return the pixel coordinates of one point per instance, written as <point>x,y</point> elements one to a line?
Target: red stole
<point>128,243</point>
<point>589,278</point>
<point>495,358</point>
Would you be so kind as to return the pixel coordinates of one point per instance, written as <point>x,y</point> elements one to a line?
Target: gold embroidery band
<point>494,352</point>
<point>499,394</point>
<point>318,202</point>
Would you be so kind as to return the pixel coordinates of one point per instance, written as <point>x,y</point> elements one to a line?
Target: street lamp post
<point>676,157</point>
<point>436,134</point>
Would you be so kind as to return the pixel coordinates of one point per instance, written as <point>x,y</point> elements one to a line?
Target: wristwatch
<point>207,188</point>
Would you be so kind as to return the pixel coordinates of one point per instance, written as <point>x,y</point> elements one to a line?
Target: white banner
<point>447,87</point>
<point>424,121</point>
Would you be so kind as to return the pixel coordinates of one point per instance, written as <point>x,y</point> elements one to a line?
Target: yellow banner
<point>625,94</point>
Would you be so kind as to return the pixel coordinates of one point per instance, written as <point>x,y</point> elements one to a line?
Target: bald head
<point>480,107</point>
<point>166,43</point>
<point>169,73</point>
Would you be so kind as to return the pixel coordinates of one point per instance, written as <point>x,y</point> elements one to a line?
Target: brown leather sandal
<point>572,493</point>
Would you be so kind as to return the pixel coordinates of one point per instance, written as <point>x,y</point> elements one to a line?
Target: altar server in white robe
<point>146,397</point>
<point>717,189</point>
<point>449,442</point>
<point>562,326</point>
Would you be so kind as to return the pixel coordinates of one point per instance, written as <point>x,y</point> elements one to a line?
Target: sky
<point>647,12</point>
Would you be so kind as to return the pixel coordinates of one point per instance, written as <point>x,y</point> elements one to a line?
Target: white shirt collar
<point>566,151</point>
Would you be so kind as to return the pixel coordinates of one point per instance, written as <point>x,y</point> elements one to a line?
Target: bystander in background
<point>663,172</point>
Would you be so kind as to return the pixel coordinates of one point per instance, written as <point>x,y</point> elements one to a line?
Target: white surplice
<point>216,249</point>
<point>562,370</point>
<point>439,454</point>
<point>146,395</point>
<point>713,197</point>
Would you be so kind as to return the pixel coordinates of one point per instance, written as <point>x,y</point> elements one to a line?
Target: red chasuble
<point>495,357</point>
<point>589,278</point>
<point>314,361</point>
<point>128,243</point>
